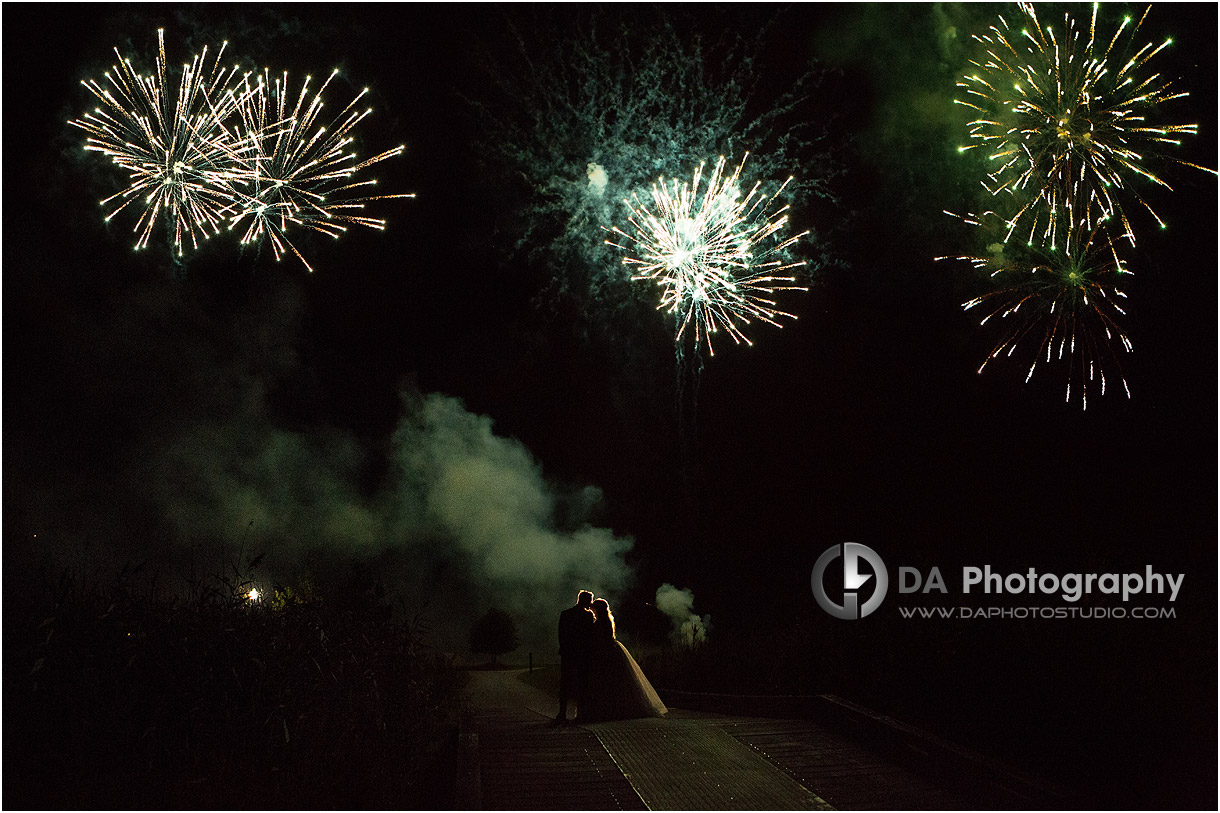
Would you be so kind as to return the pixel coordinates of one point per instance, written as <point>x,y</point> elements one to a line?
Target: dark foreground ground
<point>514,757</point>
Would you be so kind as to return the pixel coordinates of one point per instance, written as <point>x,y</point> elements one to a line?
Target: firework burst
<point>228,147</point>
<point>181,157</point>
<point>1064,302</point>
<point>1069,120</point>
<point>717,256</point>
<point>297,171</point>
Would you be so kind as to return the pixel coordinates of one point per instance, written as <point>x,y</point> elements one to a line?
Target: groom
<point>575,645</point>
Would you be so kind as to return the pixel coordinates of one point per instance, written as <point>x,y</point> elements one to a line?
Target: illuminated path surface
<point>686,761</point>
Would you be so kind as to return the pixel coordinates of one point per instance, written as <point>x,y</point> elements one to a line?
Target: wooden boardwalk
<point>844,773</point>
<point>685,761</point>
<point>528,764</point>
<point>690,762</point>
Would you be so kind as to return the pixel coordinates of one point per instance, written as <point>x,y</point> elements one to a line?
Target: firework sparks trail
<point>1068,121</point>
<point>1067,301</point>
<point>717,256</point>
<point>297,171</point>
<point>181,157</point>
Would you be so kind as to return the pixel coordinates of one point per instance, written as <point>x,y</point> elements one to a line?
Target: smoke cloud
<point>179,459</point>
<point>678,604</point>
<point>464,518</point>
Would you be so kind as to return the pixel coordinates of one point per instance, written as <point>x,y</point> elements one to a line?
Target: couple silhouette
<point>596,670</point>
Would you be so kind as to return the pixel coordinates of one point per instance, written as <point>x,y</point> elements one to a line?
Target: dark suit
<point>575,646</point>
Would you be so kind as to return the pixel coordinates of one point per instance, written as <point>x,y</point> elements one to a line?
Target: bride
<point>617,687</point>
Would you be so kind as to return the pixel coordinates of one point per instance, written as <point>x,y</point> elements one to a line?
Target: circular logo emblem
<point>853,580</point>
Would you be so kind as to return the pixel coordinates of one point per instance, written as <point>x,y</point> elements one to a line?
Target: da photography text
<point>1069,586</point>
<point>850,581</point>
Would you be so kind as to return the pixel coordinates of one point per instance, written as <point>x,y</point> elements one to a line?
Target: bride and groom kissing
<point>596,670</point>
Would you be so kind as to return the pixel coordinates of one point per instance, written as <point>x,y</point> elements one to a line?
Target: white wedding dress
<point>618,689</point>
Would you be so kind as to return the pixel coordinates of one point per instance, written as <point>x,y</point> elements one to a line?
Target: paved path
<point>684,761</point>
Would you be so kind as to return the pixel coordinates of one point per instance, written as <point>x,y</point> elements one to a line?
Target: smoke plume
<point>678,604</point>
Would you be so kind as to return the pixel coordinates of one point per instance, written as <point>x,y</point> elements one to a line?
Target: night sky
<point>154,409</point>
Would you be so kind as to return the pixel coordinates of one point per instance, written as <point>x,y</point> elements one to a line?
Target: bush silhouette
<point>123,698</point>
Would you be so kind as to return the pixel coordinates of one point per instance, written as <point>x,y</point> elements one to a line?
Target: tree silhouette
<point>494,634</point>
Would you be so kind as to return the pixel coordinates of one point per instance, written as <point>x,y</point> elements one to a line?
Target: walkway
<point>685,761</point>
